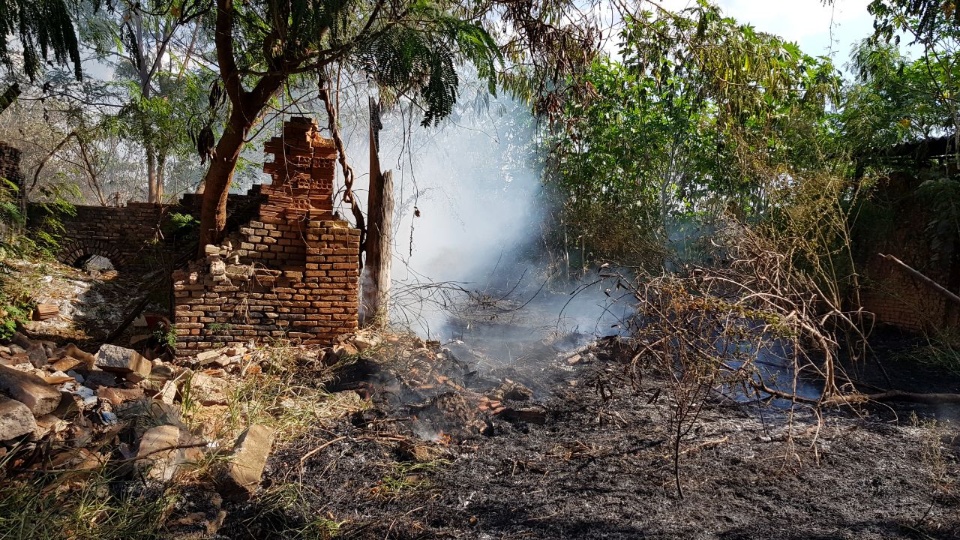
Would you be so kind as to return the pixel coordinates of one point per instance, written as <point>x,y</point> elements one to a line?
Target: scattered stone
<point>89,359</point>
<point>216,357</point>
<point>37,355</point>
<point>98,378</point>
<point>208,390</point>
<point>516,392</point>
<point>87,396</point>
<point>345,349</point>
<point>50,423</point>
<point>30,390</point>
<point>364,342</point>
<point>66,363</point>
<point>122,360</point>
<point>162,373</point>
<point>15,419</point>
<point>42,312</point>
<point>159,456</point>
<point>21,341</point>
<point>242,475</point>
<point>531,415</point>
<point>57,378</point>
<point>168,393</point>
<point>119,396</point>
<point>19,358</point>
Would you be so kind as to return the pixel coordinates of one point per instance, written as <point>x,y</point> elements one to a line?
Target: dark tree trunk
<point>213,205</point>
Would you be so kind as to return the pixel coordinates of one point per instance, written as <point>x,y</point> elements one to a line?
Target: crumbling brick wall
<point>291,273</point>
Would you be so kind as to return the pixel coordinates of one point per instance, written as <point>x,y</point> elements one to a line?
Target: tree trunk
<point>376,281</point>
<point>213,205</point>
<point>161,177</point>
<point>216,183</point>
<point>151,171</point>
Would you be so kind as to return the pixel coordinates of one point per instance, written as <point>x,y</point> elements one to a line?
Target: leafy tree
<point>703,115</point>
<point>150,46</point>
<point>893,101</point>
<point>408,47</point>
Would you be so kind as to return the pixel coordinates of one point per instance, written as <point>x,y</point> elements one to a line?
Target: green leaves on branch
<point>44,29</point>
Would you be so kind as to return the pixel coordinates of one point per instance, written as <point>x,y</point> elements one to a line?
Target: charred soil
<point>581,447</point>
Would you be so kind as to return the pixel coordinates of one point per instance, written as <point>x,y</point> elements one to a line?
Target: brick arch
<point>73,250</point>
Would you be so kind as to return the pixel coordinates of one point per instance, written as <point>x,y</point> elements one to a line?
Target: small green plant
<point>180,225</point>
<point>285,512</point>
<point>219,328</point>
<point>10,316</point>
<point>167,337</point>
<point>78,505</point>
<point>941,350</point>
<point>406,477</point>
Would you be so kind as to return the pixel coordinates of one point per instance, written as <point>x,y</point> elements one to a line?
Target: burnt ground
<point>589,456</point>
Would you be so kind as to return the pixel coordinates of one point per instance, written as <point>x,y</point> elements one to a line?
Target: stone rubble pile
<point>86,409</point>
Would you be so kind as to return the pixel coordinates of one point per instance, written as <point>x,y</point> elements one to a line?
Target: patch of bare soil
<point>90,305</point>
<point>451,449</point>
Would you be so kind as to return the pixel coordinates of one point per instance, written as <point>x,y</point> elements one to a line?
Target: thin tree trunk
<point>151,152</point>
<point>376,271</point>
<point>161,165</point>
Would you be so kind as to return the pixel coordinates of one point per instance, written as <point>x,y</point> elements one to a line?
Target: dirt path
<point>600,467</point>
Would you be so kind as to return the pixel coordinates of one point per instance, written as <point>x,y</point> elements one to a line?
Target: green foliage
<point>10,316</point>
<point>167,337</point>
<point>52,202</point>
<point>44,29</point>
<point>704,116</point>
<point>180,225</point>
<point>77,505</point>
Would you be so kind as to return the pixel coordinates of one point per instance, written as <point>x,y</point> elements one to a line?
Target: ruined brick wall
<point>130,236</point>
<point>291,273</point>
<point>891,294</point>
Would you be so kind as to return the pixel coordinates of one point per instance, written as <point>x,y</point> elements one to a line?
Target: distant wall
<point>130,236</point>
<point>895,297</point>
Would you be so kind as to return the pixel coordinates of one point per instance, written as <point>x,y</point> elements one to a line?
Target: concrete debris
<point>15,419</point>
<point>66,363</point>
<point>365,341</point>
<point>159,455</point>
<point>118,396</point>
<point>125,361</point>
<point>30,390</point>
<point>37,355</point>
<point>208,390</point>
<point>73,351</point>
<point>242,475</point>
